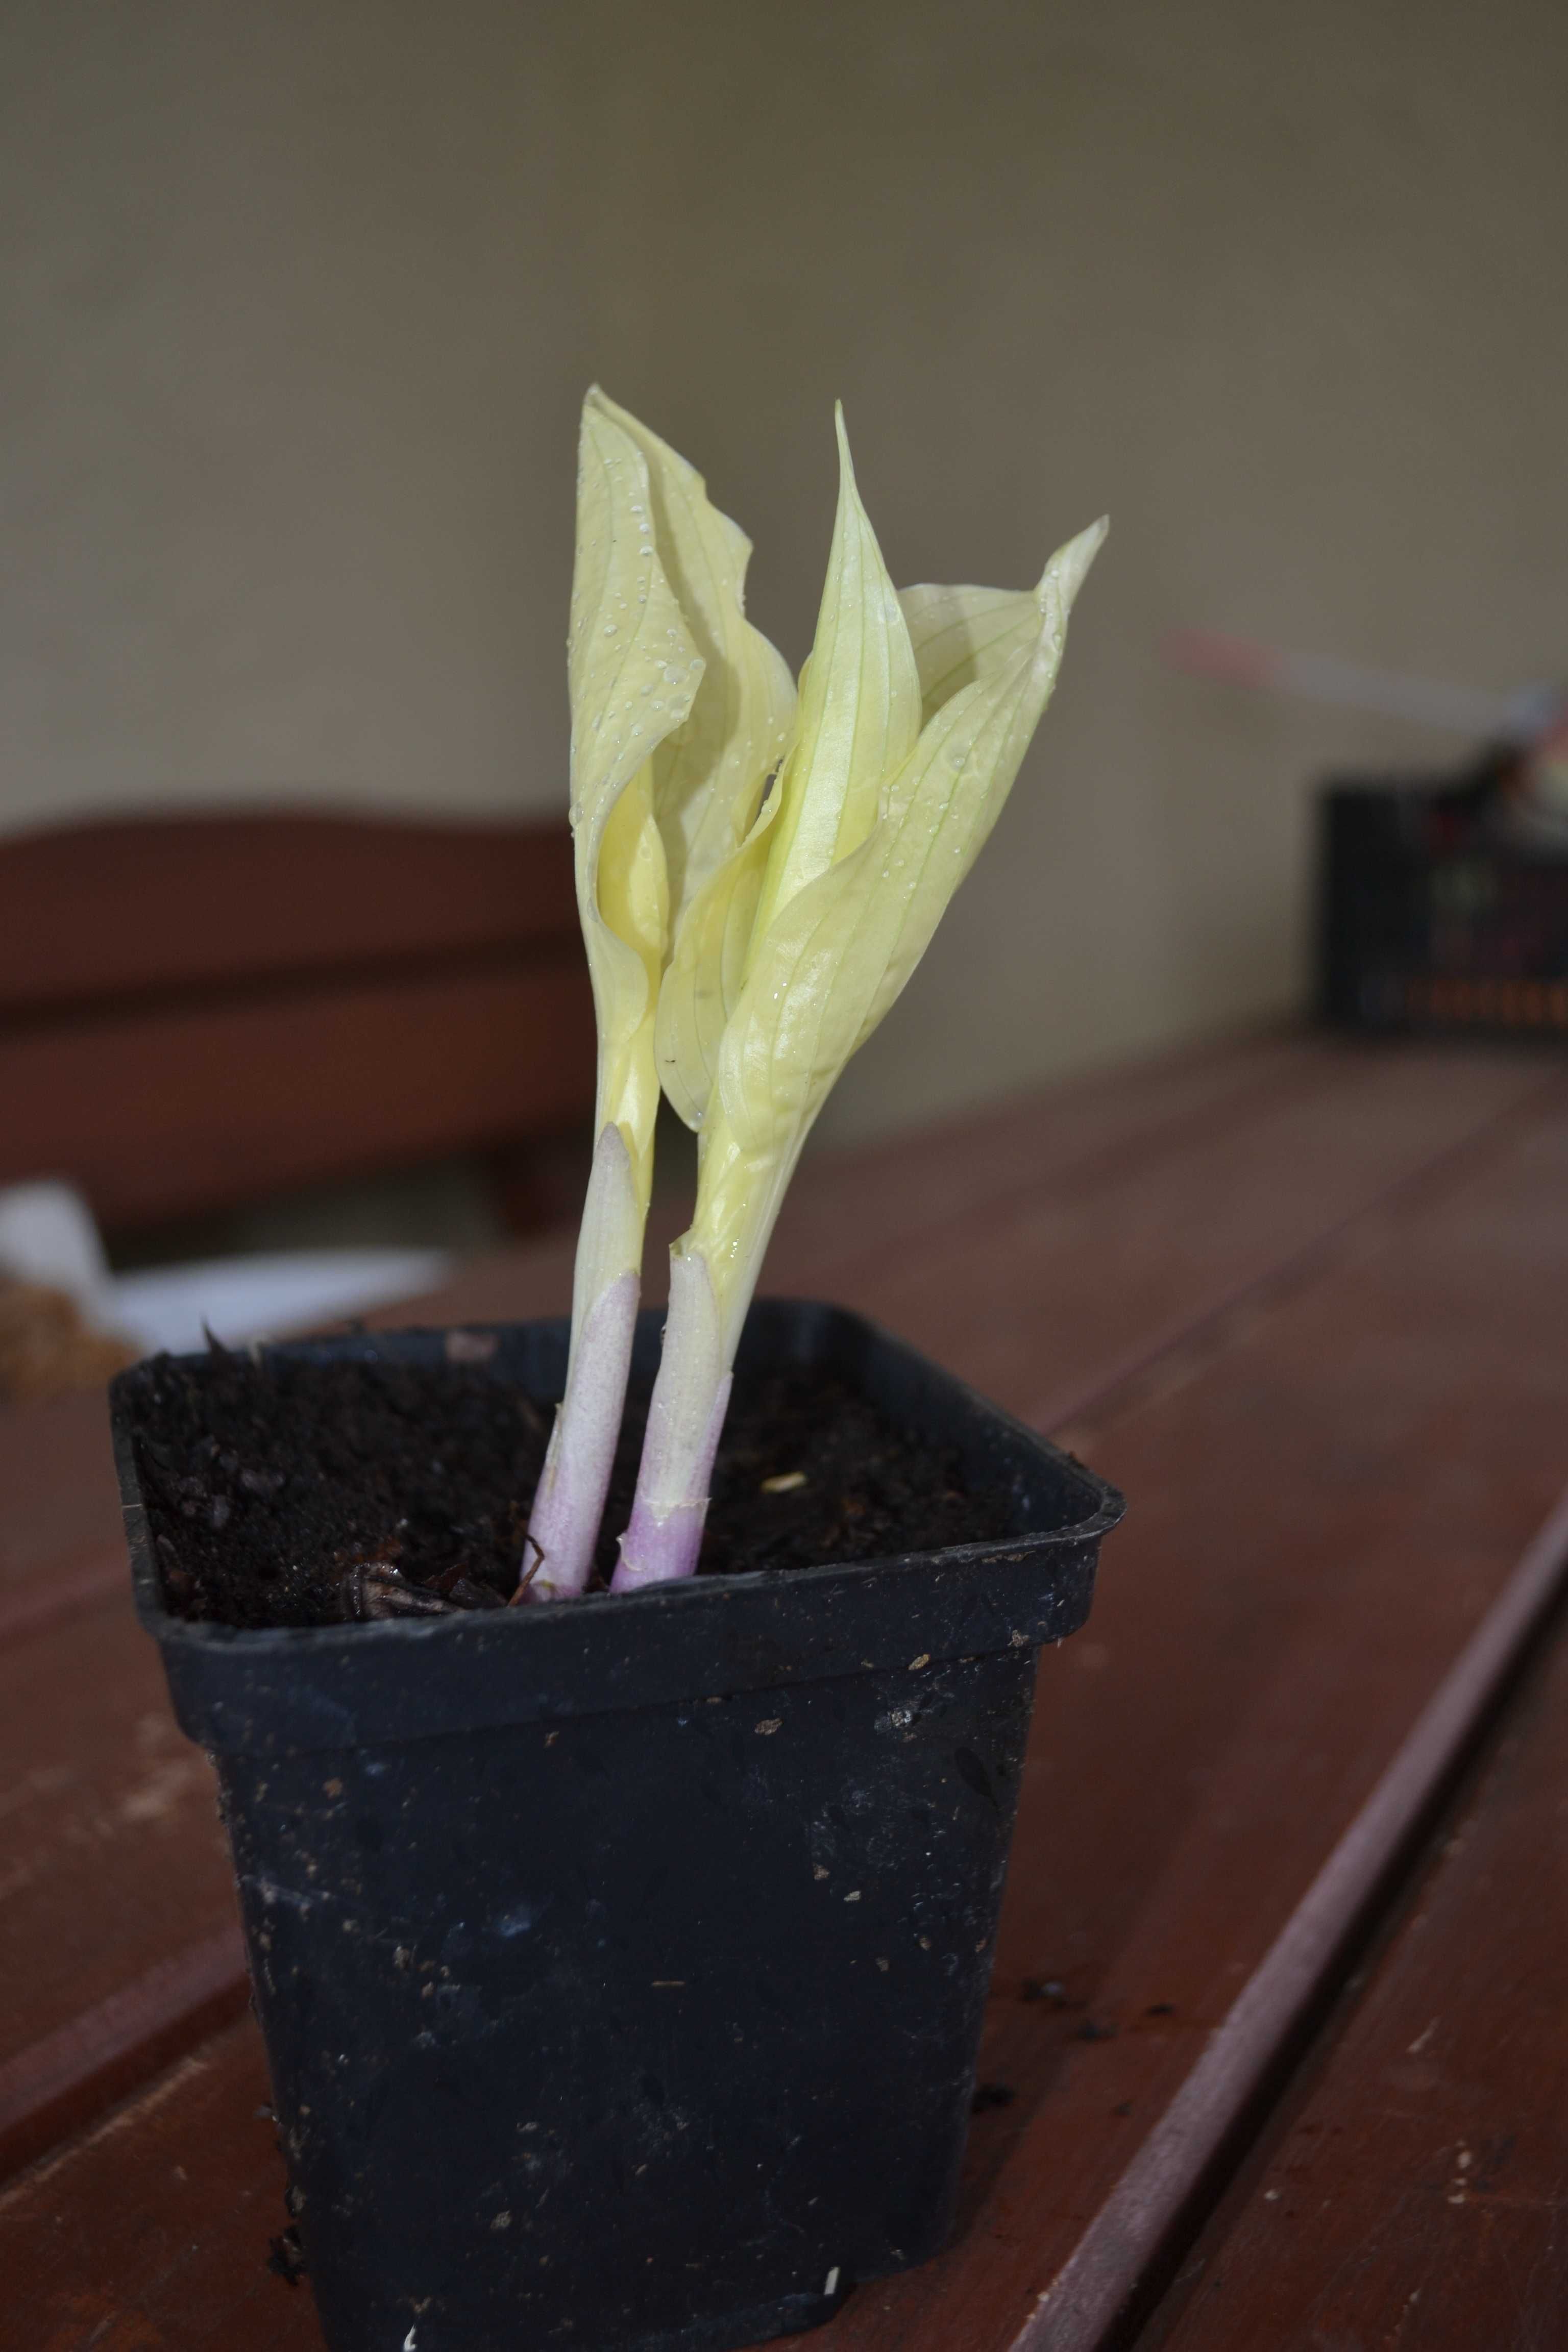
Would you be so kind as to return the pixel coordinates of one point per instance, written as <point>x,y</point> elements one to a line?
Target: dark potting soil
<point>287,1492</point>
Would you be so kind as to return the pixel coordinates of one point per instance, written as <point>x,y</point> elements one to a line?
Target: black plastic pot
<point>621,1961</point>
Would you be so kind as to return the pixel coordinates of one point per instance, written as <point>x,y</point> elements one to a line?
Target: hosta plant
<point>759,871</point>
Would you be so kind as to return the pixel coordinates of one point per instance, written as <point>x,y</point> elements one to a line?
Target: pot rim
<point>756,1625</point>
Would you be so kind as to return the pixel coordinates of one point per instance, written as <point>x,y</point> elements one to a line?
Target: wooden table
<point>1290,1850</point>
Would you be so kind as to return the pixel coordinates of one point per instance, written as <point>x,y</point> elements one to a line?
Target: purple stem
<point>564,1525</point>
<point>661,1544</point>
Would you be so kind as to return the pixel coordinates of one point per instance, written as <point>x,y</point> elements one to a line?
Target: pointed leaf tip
<point>841,435</point>
<point>1069,567</point>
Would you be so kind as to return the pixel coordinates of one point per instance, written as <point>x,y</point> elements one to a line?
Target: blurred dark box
<point>1443,905</point>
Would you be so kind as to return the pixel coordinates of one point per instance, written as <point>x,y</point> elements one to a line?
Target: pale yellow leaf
<point>705,973</point>
<point>859,708</point>
<point>634,670</point>
<point>858,716</point>
<point>709,773</point>
<point>962,634</point>
<point>835,959</point>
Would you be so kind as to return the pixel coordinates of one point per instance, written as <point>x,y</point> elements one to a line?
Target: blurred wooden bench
<point>198,1012</point>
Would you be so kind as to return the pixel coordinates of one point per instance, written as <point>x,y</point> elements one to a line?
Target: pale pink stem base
<point>661,1543</point>
<point>564,1525</point>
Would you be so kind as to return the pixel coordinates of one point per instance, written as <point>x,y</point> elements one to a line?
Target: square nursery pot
<point>621,1961</point>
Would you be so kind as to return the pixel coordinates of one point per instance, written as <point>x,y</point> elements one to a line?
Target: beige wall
<point>301,297</point>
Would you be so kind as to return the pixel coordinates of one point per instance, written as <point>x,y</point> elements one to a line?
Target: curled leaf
<point>914,717</point>
<point>829,966</point>
<point>709,773</point>
<point>634,670</point>
<point>706,971</point>
<point>858,716</point>
<point>859,708</point>
<point>960,634</point>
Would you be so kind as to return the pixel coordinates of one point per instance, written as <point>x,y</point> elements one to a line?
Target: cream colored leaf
<point>858,715</point>
<point>708,773</point>
<point>876,820</point>
<point>955,784</point>
<point>962,634</point>
<point>633,672</point>
<point>707,967</point>
<point>836,957</point>
<point>859,708</point>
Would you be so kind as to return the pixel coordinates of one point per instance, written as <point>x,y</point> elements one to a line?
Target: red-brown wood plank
<point>60,1500</point>
<point>152,2232</point>
<point>69,2078</point>
<point>1165,2187</point>
<point>1416,2194</point>
<point>1162,1217</point>
<point>850,1225</point>
<point>1135,1224</point>
<point>60,1505</point>
<point>1320,1516</point>
<point>1045,1300</point>
<point>114,1873</point>
<point>109,909</point>
<point>873,1200</point>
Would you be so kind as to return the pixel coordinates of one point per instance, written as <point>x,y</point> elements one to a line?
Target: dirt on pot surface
<point>288,1493</point>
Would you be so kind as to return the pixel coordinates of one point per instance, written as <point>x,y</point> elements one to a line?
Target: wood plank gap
<point>69,2078</point>
<point>1132,2235</point>
<point>1196,1340</point>
<point>1297,1080</point>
